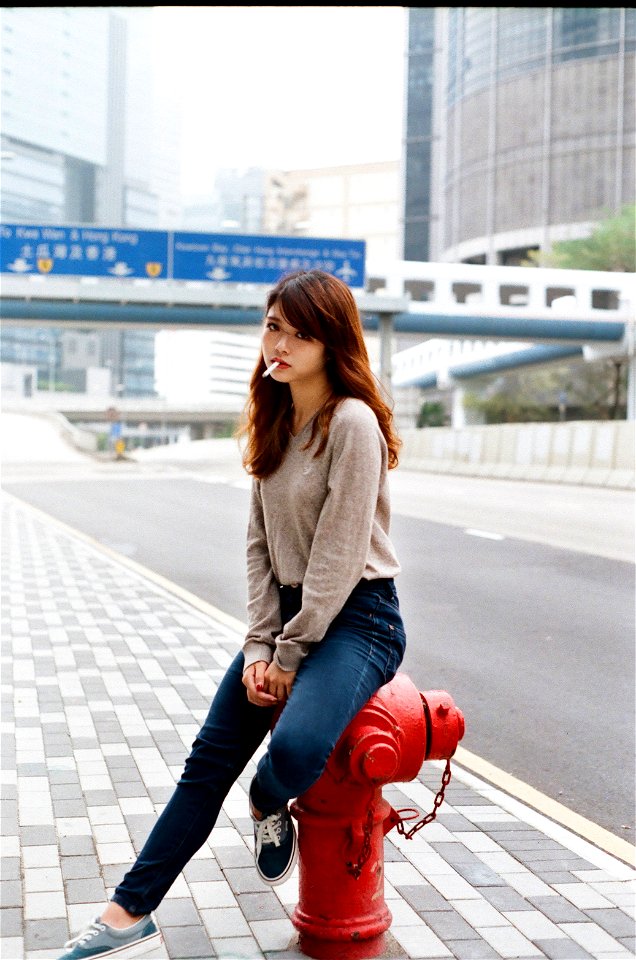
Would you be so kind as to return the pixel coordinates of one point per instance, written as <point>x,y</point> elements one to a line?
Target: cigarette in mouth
<point>271,367</point>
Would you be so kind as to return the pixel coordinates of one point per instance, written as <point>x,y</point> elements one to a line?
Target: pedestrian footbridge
<point>466,320</point>
<point>484,319</point>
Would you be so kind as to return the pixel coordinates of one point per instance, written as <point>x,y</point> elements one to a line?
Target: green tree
<point>595,391</point>
<point>610,246</point>
<point>432,414</point>
<point>588,391</point>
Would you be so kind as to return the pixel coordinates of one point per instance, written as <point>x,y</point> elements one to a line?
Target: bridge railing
<point>522,289</point>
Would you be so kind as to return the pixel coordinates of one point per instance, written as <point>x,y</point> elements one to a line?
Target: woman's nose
<point>281,343</point>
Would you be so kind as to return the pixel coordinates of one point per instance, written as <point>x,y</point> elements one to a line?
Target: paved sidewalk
<point>106,677</point>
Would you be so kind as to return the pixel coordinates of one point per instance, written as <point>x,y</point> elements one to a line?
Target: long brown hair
<point>320,306</point>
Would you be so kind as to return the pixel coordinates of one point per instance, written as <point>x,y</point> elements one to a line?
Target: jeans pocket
<point>389,637</point>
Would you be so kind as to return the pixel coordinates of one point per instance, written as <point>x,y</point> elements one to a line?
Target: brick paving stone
<point>508,826</point>
<point>112,873</point>
<point>76,846</point>
<point>455,822</point>
<point>391,852</point>
<point>479,875</point>
<point>558,949</point>
<point>86,890</point>
<point>260,906</point>
<point>234,856</point>
<point>10,893</point>
<point>69,808</point>
<point>552,878</point>
<point>11,922</point>
<point>187,943</point>
<point>66,791</point>
<point>203,870</point>
<point>40,934</point>
<point>10,868</point>
<point>177,913</point>
<point>448,924</point>
<point>243,879</point>
<point>614,921</point>
<point>241,948</point>
<point>79,868</point>
<point>423,898</point>
<point>476,949</point>
<point>100,797</point>
<point>454,852</point>
<point>37,836</point>
<point>505,899</point>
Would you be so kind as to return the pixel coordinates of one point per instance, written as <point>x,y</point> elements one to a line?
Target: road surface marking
<point>483,533</point>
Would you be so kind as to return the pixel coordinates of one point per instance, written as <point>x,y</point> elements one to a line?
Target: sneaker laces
<point>269,830</point>
<point>92,930</point>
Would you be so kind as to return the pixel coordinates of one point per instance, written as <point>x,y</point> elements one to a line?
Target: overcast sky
<point>286,87</point>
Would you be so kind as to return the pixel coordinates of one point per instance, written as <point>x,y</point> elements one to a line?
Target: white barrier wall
<point>589,452</point>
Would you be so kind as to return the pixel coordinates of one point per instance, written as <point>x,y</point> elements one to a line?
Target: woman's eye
<point>303,336</point>
<point>270,325</point>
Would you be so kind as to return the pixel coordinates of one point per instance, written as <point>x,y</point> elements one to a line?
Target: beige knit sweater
<point>321,522</point>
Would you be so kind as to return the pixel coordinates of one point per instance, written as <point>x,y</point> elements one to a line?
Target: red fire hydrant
<point>342,819</point>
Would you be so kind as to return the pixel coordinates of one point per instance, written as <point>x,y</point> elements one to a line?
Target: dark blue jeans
<point>360,652</point>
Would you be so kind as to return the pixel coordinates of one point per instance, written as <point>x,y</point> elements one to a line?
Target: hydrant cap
<point>375,756</point>
<point>380,762</point>
<point>445,723</point>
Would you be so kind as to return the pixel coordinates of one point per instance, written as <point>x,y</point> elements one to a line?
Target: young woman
<point>324,626</point>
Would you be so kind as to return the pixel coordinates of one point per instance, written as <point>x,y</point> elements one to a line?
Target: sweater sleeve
<point>263,603</point>
<point>343,534</point>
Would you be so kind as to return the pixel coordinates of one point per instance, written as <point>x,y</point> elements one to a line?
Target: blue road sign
<point>83,251</point>
<point>251,258</point>
<point>220,257</point>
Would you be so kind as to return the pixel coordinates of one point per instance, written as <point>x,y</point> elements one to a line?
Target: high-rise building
<point>418,136</point>
<point>213,366</point>
<point>532,128</point>
<point>355,201</point>
<point>84,142</point>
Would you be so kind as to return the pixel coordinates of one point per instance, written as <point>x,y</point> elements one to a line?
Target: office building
<point>354,201</point>
<point>520,128</point>
<point>212,366</point>
<point>84,142</point>
<point>418,133</point>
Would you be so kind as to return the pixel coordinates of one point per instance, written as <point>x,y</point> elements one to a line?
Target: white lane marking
<point>484,533</point>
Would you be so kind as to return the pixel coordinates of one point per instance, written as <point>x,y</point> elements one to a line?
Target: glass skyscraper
<point>78,128</point>
<point>525,135</point>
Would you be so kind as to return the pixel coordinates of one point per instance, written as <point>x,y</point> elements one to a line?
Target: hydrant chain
<point>439,799</point>
<point>355,869</point>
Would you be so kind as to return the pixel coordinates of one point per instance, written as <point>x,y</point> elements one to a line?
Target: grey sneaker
<point>100,940</point>
<point>275,846</point>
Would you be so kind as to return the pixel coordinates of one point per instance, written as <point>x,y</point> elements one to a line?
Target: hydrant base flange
<point>338,950</point>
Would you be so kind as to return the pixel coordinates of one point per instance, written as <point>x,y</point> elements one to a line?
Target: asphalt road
<point>534,642</point>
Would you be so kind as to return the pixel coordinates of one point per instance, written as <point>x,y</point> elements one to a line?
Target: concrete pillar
<point>458,414</point>
<point>385,330</point>
<point>630,343</point>
<point>631,388</point>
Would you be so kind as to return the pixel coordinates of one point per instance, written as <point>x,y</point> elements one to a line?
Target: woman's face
<point>300,358</point>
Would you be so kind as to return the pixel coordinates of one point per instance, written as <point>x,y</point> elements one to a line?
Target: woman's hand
<point>254,681</point>
<point>279,682</point>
